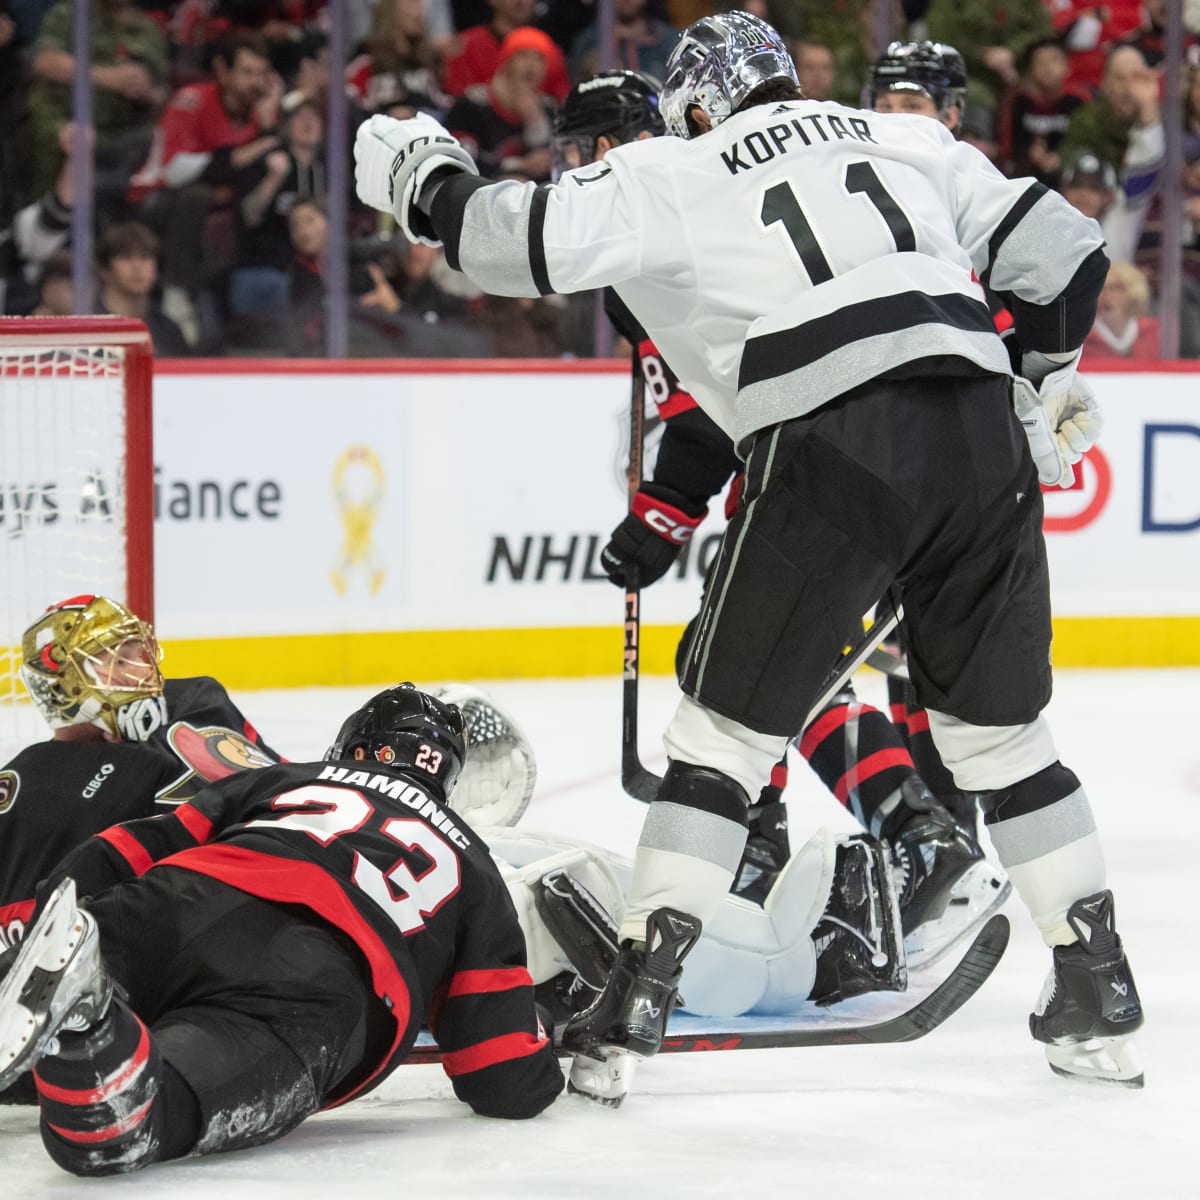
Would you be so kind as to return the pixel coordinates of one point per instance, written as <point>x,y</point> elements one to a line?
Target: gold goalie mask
<point>89,660</point>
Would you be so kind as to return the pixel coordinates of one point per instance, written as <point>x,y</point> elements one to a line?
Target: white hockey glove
<point>394,159</point>
<point>1061,420</point>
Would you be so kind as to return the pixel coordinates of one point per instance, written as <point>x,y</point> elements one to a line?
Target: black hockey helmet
<point>934,68</point>
<point>406,728</point>
<point>617,104</point>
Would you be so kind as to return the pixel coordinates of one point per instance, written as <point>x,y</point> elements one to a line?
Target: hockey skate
<point>58,982</point>
<point>1089,1007</point>
<point>767,851</point>
<point>946,887</point>
<point>629,1018</point>
<point>579,923</point>
<point>858,937</point>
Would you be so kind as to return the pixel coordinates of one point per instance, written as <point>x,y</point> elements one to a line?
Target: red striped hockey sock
<point>98,1096</point>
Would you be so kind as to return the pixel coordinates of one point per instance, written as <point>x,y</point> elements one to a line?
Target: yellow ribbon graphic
<point>358,488</point>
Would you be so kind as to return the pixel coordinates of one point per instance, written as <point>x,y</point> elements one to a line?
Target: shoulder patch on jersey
<point>10,784</point>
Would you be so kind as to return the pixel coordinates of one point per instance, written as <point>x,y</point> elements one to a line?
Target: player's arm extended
<point>509,238</point>
<point>499,1058</point>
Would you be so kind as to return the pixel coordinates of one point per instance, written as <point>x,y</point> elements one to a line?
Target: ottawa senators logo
<point>10,783</point>
<point>209,754</point>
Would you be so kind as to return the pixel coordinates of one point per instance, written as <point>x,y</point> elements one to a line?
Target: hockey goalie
<point>828,930</point>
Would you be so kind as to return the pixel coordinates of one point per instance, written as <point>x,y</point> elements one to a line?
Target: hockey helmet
<point>717,62</point>
<point>89,660</point>
<point>934,68</point>
<point>616,104</point>
<point>410,730</point>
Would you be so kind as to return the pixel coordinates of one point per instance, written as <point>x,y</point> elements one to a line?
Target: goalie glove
<point>393,160</point>
<point>660,521</point>
<point>1061,420</point>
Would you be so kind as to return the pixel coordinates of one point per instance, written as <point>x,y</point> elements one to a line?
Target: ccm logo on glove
<point>666,521</point>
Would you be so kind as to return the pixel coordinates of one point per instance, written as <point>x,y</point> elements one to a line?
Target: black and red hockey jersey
<point>56,794</point>
<point>370,851</point>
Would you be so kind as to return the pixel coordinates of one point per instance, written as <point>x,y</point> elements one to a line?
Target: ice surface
<point>972,1111</point>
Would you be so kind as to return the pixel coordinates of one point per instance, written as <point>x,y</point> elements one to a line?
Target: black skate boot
<point>858,937</point>
<point>1089,1007</point>
<point>57,982</point>
<point>584,930</point>
<point>946,887</point>
<point>630,1016</point>
<point>767,849</point>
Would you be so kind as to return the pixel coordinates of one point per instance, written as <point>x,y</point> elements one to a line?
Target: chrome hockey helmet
<point>89,660</point>
<point>410,730</point>
<point>934,68</point>
<point>717,62</point>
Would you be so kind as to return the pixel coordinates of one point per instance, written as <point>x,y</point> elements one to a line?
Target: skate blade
<point>46,950</point>
<point>602,1076</point>
<point>1111,1060</point>
<point>981,891</point>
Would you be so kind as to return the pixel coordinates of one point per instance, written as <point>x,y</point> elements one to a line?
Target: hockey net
<point>76,481</point>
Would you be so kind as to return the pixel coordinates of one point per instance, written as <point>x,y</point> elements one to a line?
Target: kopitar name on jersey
<point>764,145</point>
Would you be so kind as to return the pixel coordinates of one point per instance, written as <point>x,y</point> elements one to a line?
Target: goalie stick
<point>971,973</point>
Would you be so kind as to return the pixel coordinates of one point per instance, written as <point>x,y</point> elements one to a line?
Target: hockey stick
<point>924,1017</point>
<point>642,784</point>
<point>637,781</point>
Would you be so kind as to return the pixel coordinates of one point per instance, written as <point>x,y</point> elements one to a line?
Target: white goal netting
<point>64,520</point>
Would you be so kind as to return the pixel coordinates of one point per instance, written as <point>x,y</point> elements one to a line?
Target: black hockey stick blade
<point>924,1017</point>
<point>971,973</point>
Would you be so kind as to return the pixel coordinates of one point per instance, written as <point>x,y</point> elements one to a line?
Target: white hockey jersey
<point>796,251</point>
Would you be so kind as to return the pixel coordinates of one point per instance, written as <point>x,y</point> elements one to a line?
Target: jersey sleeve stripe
<point>537,240</point>
<point>447,212</point>
<point>506,1048</point>
<point>129,848</point>
<point>1011,220</point>
<point>195,822</point>
<point>470,983</point>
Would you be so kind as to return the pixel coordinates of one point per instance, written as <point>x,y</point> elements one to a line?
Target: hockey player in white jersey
<point>810,271</point>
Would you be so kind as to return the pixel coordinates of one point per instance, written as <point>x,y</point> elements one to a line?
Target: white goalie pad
<point>750,959</point>
<point>762,960</point>
<point>500,770</point>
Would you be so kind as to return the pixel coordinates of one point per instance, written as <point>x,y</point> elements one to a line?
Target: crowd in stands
<point>208,137</point>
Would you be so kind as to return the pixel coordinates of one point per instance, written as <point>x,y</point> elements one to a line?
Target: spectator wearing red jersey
<point>1089,32</point>
<point>209,133</point>
<point>1122,328</point>
<point>479,53</point>
<point>1034,117</point>
<point>507,128</point>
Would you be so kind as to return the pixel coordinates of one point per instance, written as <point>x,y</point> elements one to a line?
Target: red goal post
<point>76,480</point>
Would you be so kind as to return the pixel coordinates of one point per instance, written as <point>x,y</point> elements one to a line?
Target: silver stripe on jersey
<point>1036,834</point>
<point>807,388</point>
<point>1043,251</point>
<point>692,831</point>
<point>494,244</point>
<point>712,612</point>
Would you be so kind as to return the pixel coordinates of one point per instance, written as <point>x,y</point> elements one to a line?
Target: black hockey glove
<point>660,521</point>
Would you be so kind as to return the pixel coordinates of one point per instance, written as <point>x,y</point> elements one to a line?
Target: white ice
<point>971,1111</point>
